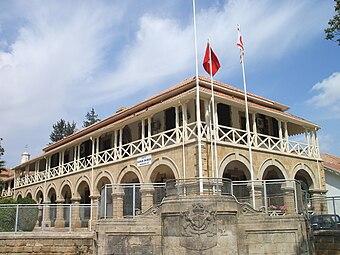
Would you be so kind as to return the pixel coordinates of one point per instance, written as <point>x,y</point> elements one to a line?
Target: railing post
<point>295,198</point>
<point>16,219</point>
<point>70,219</point>
<point>105,202</point>
<point>265,196</point>
<point>134,200</point>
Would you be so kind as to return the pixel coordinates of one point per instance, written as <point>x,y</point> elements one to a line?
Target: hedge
<point>27,214</point>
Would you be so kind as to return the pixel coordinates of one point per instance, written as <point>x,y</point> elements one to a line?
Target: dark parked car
<point>325,222</point>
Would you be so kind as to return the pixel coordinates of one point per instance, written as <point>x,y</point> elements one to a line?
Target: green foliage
<point>7,214</point>
<point>62,129</point>
<point>27,214</point>
<point>91,118</point>
<point>333,31</point>
<point>26,200</point>
<point>2,151</point>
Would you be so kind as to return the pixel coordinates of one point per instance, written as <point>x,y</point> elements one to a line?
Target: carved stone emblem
<point>199,230</point>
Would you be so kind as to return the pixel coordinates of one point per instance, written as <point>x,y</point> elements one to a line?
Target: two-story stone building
<point>157,140</point>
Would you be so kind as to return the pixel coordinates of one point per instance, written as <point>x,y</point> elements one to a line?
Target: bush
<point>28,214</point>
<point>7,214</point>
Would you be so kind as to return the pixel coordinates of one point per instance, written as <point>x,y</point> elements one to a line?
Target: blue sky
<point>58,59</point>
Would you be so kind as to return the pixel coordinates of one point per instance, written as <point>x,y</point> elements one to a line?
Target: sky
<point>59,59</point>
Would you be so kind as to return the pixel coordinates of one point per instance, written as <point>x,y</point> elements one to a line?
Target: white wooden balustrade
<point>224,135</point>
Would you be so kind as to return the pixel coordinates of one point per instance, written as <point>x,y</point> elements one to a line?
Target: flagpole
<point>213,114</point>
<point>248,128</point>
<point>198,110</point>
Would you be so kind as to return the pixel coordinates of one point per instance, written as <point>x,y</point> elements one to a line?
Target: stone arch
<point>163,166</point>
<point>129,172</point>
<point>39,195</point>
<point>19,195</point>
<point>64,183</point>
<point>303,173</point>
<point>29,193</point>
<point>81,179</point>
<point>101,180</point>
<point>234,157</point>
<point>272,169</point>
<point>82,190</point>
<point>51,194</point>
<point>66,192</point>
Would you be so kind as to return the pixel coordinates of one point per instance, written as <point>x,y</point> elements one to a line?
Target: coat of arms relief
<point>198,228</point>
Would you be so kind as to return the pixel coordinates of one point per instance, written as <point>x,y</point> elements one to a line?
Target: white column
<point>120,154</point>
<point>279,122</point>
<point>185,120</point>
<point>177,123</point>
<point>143,135</point>
<point>254,129</point>
<point>61,161</point>
<point>97,151</point>
<point>285,126</point>
<point>313,143</point>
<point>308,142</point>
<point>149,132</point>
<point>47,167</point>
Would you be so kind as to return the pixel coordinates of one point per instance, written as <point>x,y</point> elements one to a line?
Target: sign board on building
<point>144,160</point>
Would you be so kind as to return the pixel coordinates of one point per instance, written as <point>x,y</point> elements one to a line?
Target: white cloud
<point>72,55</point>
<point>329,93</point>
<point>326,142</point>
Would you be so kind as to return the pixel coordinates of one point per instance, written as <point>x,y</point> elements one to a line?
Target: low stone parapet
<point>46,243</point>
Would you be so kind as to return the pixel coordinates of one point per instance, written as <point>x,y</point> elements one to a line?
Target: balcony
<point>227,136</point>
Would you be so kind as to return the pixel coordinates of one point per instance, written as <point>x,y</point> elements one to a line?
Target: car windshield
<point>325,222</point>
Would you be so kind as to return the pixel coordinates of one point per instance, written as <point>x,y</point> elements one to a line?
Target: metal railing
<point>131,195</point>
<point>191,186</point>
<point>44,217</point>
<point>324,205</point>
<point>273,197</point>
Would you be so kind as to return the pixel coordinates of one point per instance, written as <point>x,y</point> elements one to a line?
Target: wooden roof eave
<point>131,110</point>
<point>251,97</point>
<point>283,116</point>
<point>116,125</point>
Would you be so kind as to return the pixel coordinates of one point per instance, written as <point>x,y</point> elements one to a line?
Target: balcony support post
<point>254,129</point>
<point>285,126</point>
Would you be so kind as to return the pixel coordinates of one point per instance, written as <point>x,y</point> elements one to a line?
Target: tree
<point>333,31</point>
<point>62,129</point>
<point>2,162</point>
<point>91,118</point>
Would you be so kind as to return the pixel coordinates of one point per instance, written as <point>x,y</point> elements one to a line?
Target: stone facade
<point>205,225</point>
<point>46,243</point>
<point>156,141</point>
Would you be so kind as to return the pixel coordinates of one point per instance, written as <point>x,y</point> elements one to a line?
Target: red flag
<point>239,43</point>
<point>215,65</point>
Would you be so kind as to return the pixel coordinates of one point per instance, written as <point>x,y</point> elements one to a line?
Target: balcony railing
<point>173,137</point>
<point>6,193</point>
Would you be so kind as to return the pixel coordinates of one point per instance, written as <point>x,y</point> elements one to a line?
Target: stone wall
<point>206,225</point>
<point>327,242</point>
<point>46,243</point>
